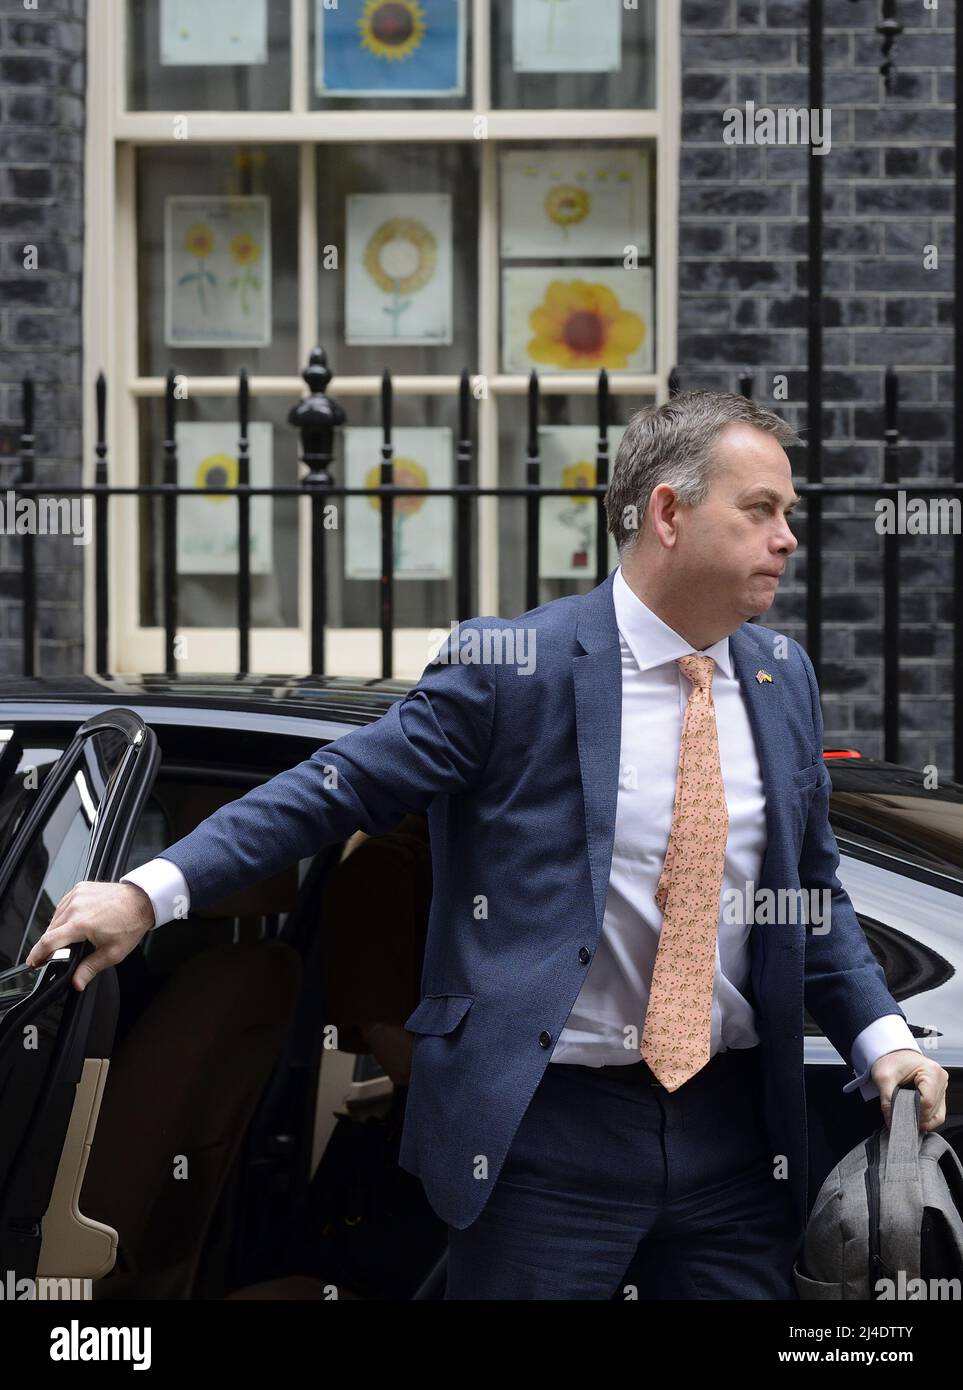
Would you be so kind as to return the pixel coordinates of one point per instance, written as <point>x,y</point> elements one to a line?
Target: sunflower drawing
<point>567,204</point>
<point>582,324</point>
<point>581,474</point>
<point>217,470</point>
<point>199,242</point>
<point>392,29</point>
<point>407,473</point>
<point>245,251</point>
<point>401,257</point>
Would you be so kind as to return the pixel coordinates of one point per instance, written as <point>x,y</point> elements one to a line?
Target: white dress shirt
<point>654,696</point>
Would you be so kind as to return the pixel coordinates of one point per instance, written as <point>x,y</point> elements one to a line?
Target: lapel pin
<point>763,676</point>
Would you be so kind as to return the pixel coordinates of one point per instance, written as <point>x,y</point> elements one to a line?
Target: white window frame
<point>110,311</point>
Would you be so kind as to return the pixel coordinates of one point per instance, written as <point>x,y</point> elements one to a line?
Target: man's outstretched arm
<point>433,741</point>
<point>845,986</point>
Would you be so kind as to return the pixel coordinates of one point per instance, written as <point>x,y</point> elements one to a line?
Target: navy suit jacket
<point>518,774</point>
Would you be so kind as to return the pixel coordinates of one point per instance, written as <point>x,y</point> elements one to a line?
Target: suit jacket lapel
<point>765,703</point>
<point>597,676</point>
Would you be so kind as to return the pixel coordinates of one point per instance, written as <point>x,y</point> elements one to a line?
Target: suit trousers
<point>614,1188</point>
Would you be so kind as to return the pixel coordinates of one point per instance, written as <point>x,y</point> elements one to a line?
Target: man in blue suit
<point>634,898</point>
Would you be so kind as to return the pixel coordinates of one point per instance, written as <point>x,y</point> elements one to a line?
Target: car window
<point>152,833</point>
<point>891,811</point>
<point>55,858</point>
<point>26,757</point>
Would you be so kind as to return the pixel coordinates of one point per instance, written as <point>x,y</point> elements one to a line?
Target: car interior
<point>194,1150</point>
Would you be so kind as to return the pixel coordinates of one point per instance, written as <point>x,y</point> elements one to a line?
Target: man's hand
<point>929,1078</point>
<point>392,1047</point>
<point>111,916</point>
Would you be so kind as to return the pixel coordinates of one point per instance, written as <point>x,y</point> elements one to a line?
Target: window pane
<point>398,235</point>
<point>55,858</point>
<point>577,239</point>
<point>208,55</point>
<point>207,439</point>
<point>399,55</point>
<point>424,436</point>
<point>567,444</point>
<point>595,54</point>
<point>217,263</point>
<point>35,759</point>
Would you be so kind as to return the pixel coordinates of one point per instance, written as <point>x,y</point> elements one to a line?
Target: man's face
<point>732,548</point>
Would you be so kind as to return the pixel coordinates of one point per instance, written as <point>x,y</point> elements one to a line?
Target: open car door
<point>55,1042</point>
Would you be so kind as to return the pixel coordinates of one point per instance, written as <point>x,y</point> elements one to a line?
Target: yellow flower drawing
<point>392,29</point>
<point>401,257</point>
<point>407,473</point>
<point>581,324</point>
<point>199,240</point>
<point>217,470</point>
<point>575,475</point>
<point>567,204</point>
<point>245,249</point>
<point>581,474</point>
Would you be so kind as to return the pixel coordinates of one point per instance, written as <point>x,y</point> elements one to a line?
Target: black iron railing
<point>318,418</point>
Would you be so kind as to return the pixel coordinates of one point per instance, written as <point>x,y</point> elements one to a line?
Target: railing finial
<point>317,417</point>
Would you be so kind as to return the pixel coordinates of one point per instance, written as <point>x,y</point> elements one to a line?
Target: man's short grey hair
<point>674,443</point>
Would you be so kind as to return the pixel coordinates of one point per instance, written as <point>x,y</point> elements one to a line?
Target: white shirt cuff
<point>166,887</point>
<point>885,1034</point>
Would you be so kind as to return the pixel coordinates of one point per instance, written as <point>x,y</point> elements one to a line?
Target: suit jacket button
<point>584,954</point>
<point>544,1039</point>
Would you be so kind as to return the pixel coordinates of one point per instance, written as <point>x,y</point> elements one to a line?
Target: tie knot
<point>699,669</point>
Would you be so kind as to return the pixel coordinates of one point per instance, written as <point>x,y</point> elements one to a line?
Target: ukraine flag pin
<point>763,676</point>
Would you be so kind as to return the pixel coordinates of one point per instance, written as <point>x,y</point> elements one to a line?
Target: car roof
<point>338,700</point>
<point>321,708</point>
<point>294,703</point>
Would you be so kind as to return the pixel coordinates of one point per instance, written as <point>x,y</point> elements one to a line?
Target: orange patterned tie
<point>675,1038</point>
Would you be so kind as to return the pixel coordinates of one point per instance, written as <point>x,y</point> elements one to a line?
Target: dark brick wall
<point>743,278</point>
<point>889,193</point>
<point>42,91</point>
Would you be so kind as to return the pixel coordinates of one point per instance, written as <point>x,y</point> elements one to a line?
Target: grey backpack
<point>888,1221</point>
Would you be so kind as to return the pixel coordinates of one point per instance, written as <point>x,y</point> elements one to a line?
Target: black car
<point>182,1128</point>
